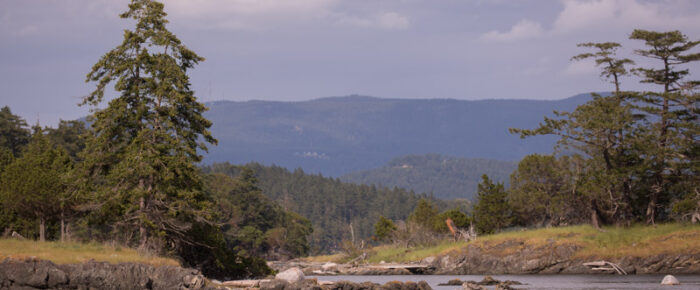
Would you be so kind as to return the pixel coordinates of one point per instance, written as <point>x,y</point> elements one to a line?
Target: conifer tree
<point>492,211</point>
<point>144,144</point>
<point>383,228</point>
<point>603,131</point>
<point>33,184</point>
<point>13,131</point>
<point>674,137</point>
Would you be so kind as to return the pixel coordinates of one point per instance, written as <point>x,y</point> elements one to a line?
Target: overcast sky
<point>294,50</point>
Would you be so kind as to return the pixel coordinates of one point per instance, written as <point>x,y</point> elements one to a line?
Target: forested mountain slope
<point>445,176</point>
<point>338,135</point>
<point>331,205</point>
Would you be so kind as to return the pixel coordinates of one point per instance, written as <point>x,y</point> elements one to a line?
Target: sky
<point>295,50</point>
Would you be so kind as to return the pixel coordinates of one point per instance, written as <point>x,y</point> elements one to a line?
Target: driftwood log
<point>605,266</point>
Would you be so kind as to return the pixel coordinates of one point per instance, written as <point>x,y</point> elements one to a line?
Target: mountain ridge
<point>337,135</point>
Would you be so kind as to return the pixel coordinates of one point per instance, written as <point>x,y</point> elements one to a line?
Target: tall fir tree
<point>672,147</point>
<point>142,152</point>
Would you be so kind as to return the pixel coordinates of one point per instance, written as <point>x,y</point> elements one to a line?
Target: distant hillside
<point>331,205</point>
<point>335,136</point>
<point>446,177</point>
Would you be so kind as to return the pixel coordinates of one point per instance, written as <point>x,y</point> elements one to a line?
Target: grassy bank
<point>613,242</point>
<point>69,253</point>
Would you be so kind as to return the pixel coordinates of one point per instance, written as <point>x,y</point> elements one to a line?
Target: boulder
<point>291,275</point>
<point>472,286</point>
<point>330,267</point>
<point>276,284</point>
<point>670,280</point>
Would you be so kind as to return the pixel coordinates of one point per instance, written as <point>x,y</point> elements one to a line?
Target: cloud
<point>524,29</point>
<point>257,14</point>
<point>621,15</point>
<point>244,14</point>
<point>600,16</point>
<point>578,68</point>
<point>387,21</point>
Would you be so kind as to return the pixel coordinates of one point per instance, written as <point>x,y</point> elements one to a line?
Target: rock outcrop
<point>513,257</point>
<point>39,274</point>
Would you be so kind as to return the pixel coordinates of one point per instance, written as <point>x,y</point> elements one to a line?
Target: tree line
<point>338,211</point>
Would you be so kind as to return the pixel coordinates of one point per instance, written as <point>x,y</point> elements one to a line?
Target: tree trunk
<point>142,229</point>
<point>42,229</point>
<point>595,219</point>
<point>63,226</point>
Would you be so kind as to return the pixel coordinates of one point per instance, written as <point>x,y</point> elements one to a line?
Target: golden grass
<point>70,253</point>
<point>612,242</point>
<point>391,253</point>
<point>336,258</point>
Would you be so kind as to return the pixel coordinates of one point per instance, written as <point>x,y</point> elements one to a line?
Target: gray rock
<point>291,275</point>
<point>96,275</point>
<point>275,284</point>
<point>670,280</point>
<point>330,267</point>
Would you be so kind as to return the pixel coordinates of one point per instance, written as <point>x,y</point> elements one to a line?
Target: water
<point>688,282</point>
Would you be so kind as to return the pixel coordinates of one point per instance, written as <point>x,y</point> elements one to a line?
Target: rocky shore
<point>39,274</point>
<point>509,257</point>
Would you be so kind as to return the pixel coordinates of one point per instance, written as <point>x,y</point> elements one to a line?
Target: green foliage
<point>32,185</point>
<point>671,146</point>
<point>253,224</point>
<point>446,177</point>
<point>13,131</point>
<point>460,219</point>
<point>6,157</point>
<point>425,214</point>
<point>542,192</point>
<point>384,228</point>
<point>633,154</point>
<point>492,211</point>
<point>140,156</point>
<point>69,135</point>
<point>329,204</point>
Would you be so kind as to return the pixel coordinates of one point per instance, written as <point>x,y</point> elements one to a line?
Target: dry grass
<point>391,253</point>
<point>336,258</point>
<point>70,253</point>
<point>613,242</point>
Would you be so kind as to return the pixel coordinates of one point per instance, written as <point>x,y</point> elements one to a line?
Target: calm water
<point>541,281</point>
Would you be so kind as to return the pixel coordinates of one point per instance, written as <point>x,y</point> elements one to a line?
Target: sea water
<point>688,282</point>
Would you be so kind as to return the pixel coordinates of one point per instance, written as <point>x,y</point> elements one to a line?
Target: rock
<point>408,285</point>
<point>275,284</point>
<point>291,275</point>
<point>488,280</point>
<point>96,275</point>
<point>330,267</point>
<point>670,280</point>
<point>428,260</point>
<point>472,286</point>
<point>503,286</point>
<point>453,282</point>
